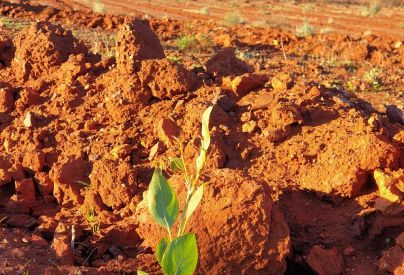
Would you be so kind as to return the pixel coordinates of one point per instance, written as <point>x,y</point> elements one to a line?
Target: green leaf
<point>194,201</point>
<point>205,128</point>
<point>162,201</point>
<point>161,248</point>
<point>176,164</point>
<point>140,272</point>
<point>181,256</point>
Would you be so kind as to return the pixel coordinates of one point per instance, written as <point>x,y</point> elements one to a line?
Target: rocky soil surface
<point>305,176</point>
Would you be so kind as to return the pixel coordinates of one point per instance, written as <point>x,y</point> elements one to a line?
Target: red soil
<point>303,177</point>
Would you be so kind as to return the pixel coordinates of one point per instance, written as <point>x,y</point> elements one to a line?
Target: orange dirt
<point>305,168</point>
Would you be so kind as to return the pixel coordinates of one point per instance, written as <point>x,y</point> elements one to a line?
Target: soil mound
<point>237,227</point>
<point>42,47</point>
<point>135,41</point>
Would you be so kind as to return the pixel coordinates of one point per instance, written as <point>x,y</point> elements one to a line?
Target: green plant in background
<point>205,10</point>
<point>178,255</point>
<point>373,8</point>
<point>174,59</point>
<point>98,6</point>
<point>305,29</point>
<point>350,87</point>
<point>372,77</point>
<point>186,42</point>
<point>233,18</point>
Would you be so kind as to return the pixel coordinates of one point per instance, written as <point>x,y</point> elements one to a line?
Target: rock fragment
<point>390,184</point>
<point>165,79</point>
<point>245,83</point>
<point>251,231</point>
<point>135,42</point>
<point>226,63</point>
<point>325,261</point>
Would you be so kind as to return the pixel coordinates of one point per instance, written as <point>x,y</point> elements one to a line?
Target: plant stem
<point>181,227</point>
<point>185,165</point>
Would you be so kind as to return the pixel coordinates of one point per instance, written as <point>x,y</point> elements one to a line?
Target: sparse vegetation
<point>174,59</point>
<point>373,8</point>
<point>233,18</point>
<point>372,77</point>
<point>191,43</point>
<point>186,42</point>
<point>180,252</point>
<point>13,24</point>
<point>351,87</point>
<point>205,10</point>
<point>304,30</point>
<point>98,6</point>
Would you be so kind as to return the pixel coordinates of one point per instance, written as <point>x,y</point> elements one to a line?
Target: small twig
<point>283,49</point>
<point>88,257</point>
<point>27,263</point>
<point>52,262</point>
<point>73,237</point>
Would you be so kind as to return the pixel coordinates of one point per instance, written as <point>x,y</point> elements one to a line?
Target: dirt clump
<point>42,47</point>
<point>165,79</point>
<point>135,42</point>
<point>114,181</point>
<point>241,85</point>
<point>392,260</point>
<point>6,98</point>
<point>254,239</point>
<point>325,261</point>
<point>226,63</point>
<point>69,177</point>
<point>390,184</point>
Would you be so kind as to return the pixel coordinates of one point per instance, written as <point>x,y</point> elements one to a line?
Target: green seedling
<point>186,42</point>
<point>372,77</point>
<point>305,29</point>
<point>90,217</point>
<point>178,255</point>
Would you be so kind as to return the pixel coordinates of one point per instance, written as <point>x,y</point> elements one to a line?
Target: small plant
<point>186,42</point>
<point>205,10</point>
<point>349,66</point>
<point>174,59</point>
<point>304,30</point>
<point>90,217</point>
<point>98,6</point>
<point>401,25</point>
<point>373,8</point>
<point>350,87</point>
<point>233,18</point>
<point>372,77</point>
<point>178,255</point>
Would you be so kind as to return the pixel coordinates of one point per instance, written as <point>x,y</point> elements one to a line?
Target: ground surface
<point>307,156</point>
